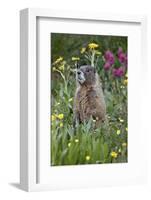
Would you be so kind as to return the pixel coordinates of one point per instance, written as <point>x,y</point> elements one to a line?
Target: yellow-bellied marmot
<point>89,99</point>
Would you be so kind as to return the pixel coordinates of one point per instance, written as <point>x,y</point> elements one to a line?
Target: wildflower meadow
<point>86,144</point>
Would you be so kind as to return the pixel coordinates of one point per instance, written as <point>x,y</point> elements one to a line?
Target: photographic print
<point>89,116</point>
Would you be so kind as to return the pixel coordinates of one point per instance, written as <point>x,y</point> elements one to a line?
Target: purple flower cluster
<point>122,57</point>
<point>109,57</point>
<point>118,72</point>
<point>110,61</point>
<point>107,66</point>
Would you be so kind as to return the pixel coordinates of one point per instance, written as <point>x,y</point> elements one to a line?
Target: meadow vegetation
<point>86,145</point>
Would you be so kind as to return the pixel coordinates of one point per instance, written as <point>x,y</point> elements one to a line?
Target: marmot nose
<point>78,72</point>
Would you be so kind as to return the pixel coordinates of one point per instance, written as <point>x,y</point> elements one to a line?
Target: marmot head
<point>86,75</point>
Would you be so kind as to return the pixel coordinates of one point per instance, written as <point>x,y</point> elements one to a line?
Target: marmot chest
<point>85,98</point>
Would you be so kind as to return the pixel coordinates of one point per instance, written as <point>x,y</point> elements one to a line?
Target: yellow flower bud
<point>53,117</point>
<point>87,158</point>
<point>69,144</point>
<point>114,154</point>
<point>118,132</point>
<point>61,124</point>
<point>92,45</point>
<point>124,144</point>
<point>83,50</point>
<point>60,116</point>
<point>76,140</point>
<point>75,58</point>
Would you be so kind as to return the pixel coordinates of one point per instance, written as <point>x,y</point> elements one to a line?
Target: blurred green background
<point>68,45</point>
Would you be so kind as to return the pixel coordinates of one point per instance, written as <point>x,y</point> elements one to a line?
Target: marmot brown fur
<point>89,99</point>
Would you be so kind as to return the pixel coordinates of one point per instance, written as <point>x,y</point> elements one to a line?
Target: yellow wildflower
<point>53,69</point>
<point>98,53</point>
<point>114,154</point>
<point>121,120</point>
<point>53,117</point>
<point>119,150</point>
<point>92,45</point>
<point>122,87</point>
<point>118,132</point>
<point>75,58</point>
<point>76,140</point>
<point>87,158</point>
<point>83,50</point>
<point>125,81</point>
<point>124,144</point>
<point>69,144</point>
<point>126,129</point>
<point>58,60</point>
<point>60,116</point>
<point>61,124</point>
<point>61,67</point>
<point>70,99</point>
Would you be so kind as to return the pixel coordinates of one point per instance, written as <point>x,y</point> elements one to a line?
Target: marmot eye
<point>87,70</point>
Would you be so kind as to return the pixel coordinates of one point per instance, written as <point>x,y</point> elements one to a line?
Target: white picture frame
<point>29,148</point>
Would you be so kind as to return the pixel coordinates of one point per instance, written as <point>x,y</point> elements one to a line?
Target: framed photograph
<point>82,79</point>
